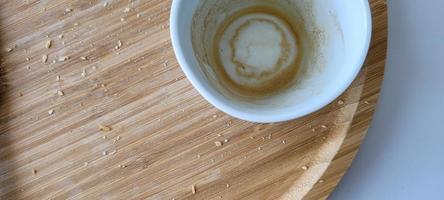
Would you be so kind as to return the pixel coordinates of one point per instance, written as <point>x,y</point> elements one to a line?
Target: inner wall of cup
<point>320,33</point>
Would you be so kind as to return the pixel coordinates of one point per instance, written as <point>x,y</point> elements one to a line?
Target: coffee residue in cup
<point>256,51</point>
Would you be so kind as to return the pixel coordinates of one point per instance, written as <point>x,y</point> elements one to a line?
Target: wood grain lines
<point>111,64</point>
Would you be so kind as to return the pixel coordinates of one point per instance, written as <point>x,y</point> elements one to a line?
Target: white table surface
<point>402,156</point>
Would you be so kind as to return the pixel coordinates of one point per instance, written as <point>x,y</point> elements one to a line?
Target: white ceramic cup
<point>345,27</point>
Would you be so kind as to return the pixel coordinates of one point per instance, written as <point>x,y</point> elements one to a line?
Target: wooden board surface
<point>114,67</point>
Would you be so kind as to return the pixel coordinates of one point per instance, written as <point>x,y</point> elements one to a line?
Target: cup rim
<point>275,117</point>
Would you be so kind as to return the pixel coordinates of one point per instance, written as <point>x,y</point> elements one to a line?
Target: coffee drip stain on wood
<point>60,155</point>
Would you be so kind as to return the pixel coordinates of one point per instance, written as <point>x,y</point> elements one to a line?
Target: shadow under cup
<point>332,41</point>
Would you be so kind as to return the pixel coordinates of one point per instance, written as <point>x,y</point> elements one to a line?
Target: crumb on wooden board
<point>104,128</point>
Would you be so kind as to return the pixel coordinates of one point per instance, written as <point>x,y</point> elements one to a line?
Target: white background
<point>402,156</point>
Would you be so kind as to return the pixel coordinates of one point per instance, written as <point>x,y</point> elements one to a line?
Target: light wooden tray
<point>161,142</point>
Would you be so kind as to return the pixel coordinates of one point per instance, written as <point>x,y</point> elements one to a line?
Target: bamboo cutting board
<point>95,106</point>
